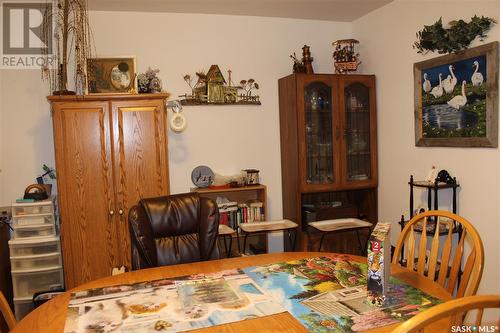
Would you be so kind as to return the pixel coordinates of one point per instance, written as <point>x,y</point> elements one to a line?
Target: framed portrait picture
<point>456,99</point>
<point>111,75</point>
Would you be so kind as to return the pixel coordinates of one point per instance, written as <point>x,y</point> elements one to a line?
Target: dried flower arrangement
<point>72,43</point>
<point>455,38</point>
<point>149,82</point>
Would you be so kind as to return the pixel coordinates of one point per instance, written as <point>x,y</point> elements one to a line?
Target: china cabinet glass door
<point>318,133</point>
<point>357,132</point>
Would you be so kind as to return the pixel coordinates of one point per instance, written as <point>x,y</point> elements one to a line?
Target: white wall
<point>226,138</point>
<point>25,132</point>
<point>386,37</point>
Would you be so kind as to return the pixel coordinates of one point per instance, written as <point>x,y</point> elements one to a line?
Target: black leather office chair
<point>174,229</point>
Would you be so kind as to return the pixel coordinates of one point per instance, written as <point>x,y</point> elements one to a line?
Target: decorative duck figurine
<point>437,91</point>
<point>477,78</point>
<point>427,84</point>
<point>460,100</point>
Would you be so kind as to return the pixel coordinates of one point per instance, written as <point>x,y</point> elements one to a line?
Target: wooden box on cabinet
<point>328,151</point>
<point>111,150</point>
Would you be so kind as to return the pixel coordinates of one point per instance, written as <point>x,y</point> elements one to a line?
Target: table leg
<point>230,246</point>
<point>292,242</point>
<point>225,245</point>
<point>321,241</point>
<point>238,239</point>
<point>359,242</point>
<point>245,243</point>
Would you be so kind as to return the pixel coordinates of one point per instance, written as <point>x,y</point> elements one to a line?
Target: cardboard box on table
<point>379,260</point>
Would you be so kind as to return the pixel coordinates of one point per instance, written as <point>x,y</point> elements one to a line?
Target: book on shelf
<point>232,213</point>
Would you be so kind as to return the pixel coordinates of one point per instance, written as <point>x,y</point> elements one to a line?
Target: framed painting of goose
<point>456,99</point>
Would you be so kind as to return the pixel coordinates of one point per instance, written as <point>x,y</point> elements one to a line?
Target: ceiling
<point>330,10</point>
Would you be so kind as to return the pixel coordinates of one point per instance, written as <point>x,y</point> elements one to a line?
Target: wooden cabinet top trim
<point>318,75</point>
<point>105,97</point>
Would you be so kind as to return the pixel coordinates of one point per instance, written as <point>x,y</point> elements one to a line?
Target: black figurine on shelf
<point>444,177</point>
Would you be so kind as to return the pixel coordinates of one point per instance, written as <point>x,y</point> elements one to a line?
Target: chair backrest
<point>455,310</point>
<point>444,269</point>
<point>173,229</point>
<point>7,312</point>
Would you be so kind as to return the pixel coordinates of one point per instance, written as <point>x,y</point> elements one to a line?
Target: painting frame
<point>99,80</point>
<point>490,138</point>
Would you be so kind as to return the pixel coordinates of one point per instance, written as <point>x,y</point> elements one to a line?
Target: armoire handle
<point>120,211</point>
<point>111,212</point>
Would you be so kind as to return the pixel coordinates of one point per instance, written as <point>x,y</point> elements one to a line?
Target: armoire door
<point>82,137</point>
<point>141,167</point>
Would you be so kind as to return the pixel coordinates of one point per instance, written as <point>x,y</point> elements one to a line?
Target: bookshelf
<point>241,195</point>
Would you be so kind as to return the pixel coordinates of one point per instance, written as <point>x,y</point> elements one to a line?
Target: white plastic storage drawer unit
<point>41,230</point>
<point>31,208</point>
<point>33,246</point>
<point>22,306</point>
<point>35,219</point>
<point>35,261</point>
<point>27,282</point>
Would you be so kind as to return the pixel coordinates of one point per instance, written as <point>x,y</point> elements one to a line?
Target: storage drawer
<point>35,262</point>
<point>34,231</point>
<point>33,246</point>
<point>37,219</point>
<point>22,306</point>
<point>25,282</point>
<point>41,207</point>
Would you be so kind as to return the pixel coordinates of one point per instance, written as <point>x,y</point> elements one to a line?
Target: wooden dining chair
<point>444,265</point>
<point>454,311</point>
<point>7,312</point>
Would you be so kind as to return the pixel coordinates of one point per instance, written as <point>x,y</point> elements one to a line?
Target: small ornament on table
<point>346,59</point>
<point>148,82</point>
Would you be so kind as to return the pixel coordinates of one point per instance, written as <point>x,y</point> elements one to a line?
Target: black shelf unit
<point>432,187</point>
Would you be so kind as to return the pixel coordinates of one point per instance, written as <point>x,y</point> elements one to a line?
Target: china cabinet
<point>328,151</point>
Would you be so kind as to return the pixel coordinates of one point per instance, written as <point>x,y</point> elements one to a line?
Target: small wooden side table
<point>270,226</point>
<point>329,226</point>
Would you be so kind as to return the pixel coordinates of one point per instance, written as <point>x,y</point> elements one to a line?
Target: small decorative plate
<point>202,176</point>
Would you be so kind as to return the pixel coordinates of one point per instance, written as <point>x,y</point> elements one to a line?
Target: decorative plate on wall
<point>202,176</point>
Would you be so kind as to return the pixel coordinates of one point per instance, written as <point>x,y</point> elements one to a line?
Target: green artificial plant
<point>455,38</point>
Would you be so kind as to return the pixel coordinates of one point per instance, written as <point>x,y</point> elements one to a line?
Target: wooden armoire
<point>110,150</point>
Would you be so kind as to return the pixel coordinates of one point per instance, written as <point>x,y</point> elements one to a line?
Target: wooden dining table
<point>51,316</point>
